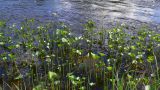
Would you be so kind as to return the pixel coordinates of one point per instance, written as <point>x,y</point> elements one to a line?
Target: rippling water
<point>78,11</point>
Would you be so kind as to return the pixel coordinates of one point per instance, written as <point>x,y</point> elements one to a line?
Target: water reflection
<point>116,9</point>
<point>39,2</point>
<point>75,11</point>
<point>156,15</point>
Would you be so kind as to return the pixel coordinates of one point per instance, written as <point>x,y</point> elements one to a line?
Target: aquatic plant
<point>49,56</point>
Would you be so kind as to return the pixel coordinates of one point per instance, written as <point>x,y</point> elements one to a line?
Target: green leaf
<point>52,75</point>
<point>2,43</point>
<point>133,47</point>
<point>71,77</point>
<point>2,23</point>
<point>150,58</point>
<point>109,68</point>
<point>11,56</point>
<point>79,52</point>
<point>112,80</point>
<point>38,87</point>
<point>1,34</point>
<point>19,77</point>
<point>129,76</point>
<point>64,40</point>
<point>61,32</point>
<point>60,45</point>
<point>82,88</point>
<point>4,58</point>
<point>56,82</point>
<point>95,56</point>
<point>132,55</point>
<point>102,54</point>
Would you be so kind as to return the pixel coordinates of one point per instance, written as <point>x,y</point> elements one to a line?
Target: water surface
<point>75,12</point>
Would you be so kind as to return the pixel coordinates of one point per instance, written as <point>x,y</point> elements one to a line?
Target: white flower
<point>147,87</point>
<point>152,75</point>
<point>134,62</point>
<point>14,25</point>
<point>91,84</point>
<point>118,30</point>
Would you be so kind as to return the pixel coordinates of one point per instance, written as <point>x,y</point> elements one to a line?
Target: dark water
<point>75,12</point>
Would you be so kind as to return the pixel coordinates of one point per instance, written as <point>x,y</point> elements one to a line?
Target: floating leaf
<point>60,45</point>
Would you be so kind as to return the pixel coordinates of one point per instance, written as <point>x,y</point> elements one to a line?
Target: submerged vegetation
<point>36,56</point>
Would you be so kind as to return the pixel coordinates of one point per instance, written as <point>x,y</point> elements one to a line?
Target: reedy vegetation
<point>50,57</point>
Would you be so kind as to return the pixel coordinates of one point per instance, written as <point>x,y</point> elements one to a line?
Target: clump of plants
<point>36,56</point>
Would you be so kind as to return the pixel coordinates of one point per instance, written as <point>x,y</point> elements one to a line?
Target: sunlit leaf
<point>129,76</point>
<point>95,56</point>
<point>52,75</point>
<point>79,52</point>
<point>150,58</point>
<point>109,68</point>
<point>147,87</point>
<point>2,43</point>
<point>19,77</point>
<point>82,88</point>
<point>64,40</point>
<point>56,82</point>
<point>102,54</point>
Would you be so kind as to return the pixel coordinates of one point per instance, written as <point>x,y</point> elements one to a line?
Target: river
<point>76,12</point>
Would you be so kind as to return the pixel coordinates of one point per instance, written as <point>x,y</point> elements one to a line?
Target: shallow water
<point>75,12</point>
